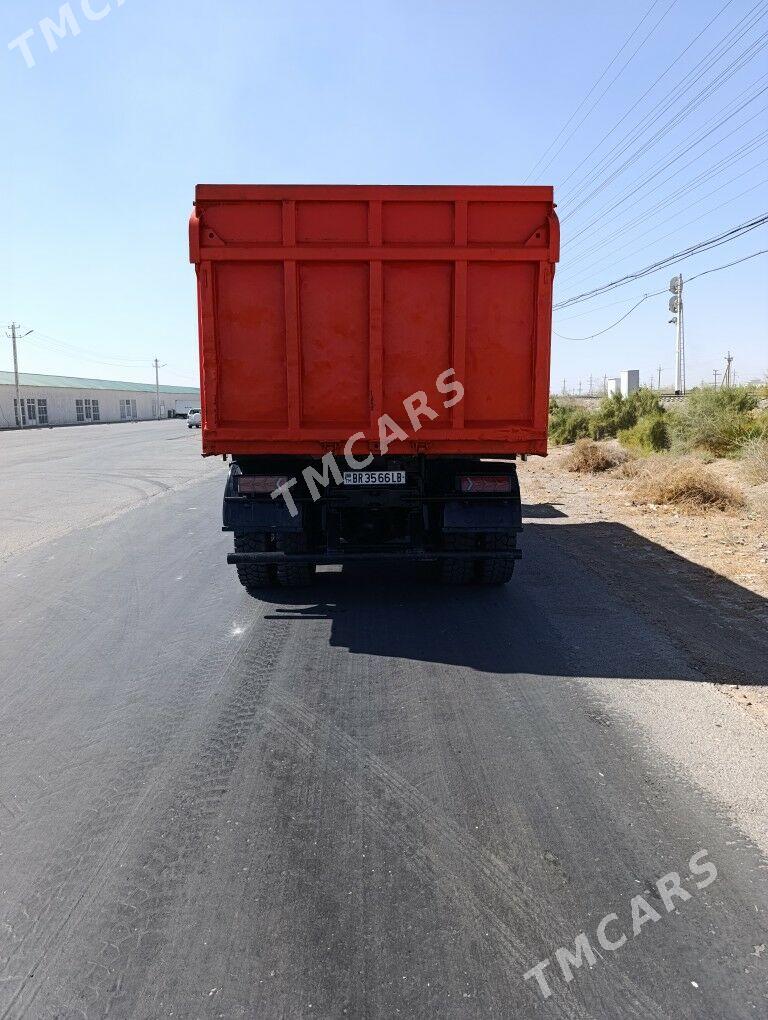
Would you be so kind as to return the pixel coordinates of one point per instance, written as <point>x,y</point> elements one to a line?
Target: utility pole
<point>158,366</point>
<point>579,387</point>
<point>590,386</point>
<point>605,385</point>
<point>676,307</point>
<point>14,337</point>
<point>715,373</point>
<point>564,389</point>
<point>727,378</point>
<point>659,371</point>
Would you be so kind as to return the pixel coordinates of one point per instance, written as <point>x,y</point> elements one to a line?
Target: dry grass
<point>755,460</point>
<point>684,483</point>
<point>589,457</point>
<point>633,467</point>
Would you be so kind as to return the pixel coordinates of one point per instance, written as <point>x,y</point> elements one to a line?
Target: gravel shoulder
<point>702,578</point>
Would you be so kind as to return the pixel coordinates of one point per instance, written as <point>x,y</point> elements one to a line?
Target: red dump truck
<point>373,360</point>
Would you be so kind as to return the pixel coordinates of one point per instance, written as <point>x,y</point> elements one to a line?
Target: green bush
<point>649,435</point>
<point>618,414</point>
<point>567,423</point>
<point>758,426</point>
<point>716,421</point>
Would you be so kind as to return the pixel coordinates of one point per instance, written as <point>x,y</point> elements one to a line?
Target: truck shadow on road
<point>591,599</point>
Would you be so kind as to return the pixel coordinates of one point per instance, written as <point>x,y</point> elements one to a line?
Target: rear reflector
<point>249,484</point>
<point>485,483</point>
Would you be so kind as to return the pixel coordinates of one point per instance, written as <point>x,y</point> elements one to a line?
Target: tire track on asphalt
<point>467,874</point>
<point>70,884</point>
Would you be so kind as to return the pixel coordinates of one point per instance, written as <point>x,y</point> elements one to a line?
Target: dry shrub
<point>685,483</point>
<point>589,457</point>
<point>755,458</point>
<point>633,467</point>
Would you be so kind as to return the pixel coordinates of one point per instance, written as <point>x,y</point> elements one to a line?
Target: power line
<point>599,308</point>
<point>690,279</point>
<point>588,270</point>
<point>62,346</point>
<point>667,102</point>
<point>609,167</point>
<point>690,185</point>
<point>728,265</point>
<point>613,324</point>
<point>684,147</point>
<point>686,253</point>
<point>647,91</point>
<point>632,192</point>
<point>67,350</point>
<point>602,94</point>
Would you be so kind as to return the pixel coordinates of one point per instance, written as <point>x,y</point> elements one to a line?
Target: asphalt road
<point>379,798</point>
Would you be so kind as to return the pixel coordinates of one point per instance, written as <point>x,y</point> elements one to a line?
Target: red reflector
<point>485,483</point>
<point>260,483</point>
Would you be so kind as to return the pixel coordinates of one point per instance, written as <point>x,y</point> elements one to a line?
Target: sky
<point>106,136</point>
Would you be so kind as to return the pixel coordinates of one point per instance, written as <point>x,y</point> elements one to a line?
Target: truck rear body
<point>326,311</point>
<point>323,307</point>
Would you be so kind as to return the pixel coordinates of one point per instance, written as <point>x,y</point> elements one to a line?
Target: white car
<point>194,418</point>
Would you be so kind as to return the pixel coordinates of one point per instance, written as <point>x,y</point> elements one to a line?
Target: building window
<point>42,412</point>
<point>87,409</point>
<point>16,413</point>
<point>31,411</point>
<point>128,409</point>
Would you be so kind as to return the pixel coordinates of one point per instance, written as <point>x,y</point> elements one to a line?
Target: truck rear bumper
<point>419,555</point>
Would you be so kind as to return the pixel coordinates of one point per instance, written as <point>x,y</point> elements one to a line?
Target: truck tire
<point>497,571</point>
<point>294,575</point>
<point>458,571</point>
<point>253,576</point>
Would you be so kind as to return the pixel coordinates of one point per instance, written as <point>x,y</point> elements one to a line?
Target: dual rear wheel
<point>486,570</point>
<point>254,576</point>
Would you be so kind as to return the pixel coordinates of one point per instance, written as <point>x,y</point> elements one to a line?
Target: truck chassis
<point>470,536</point>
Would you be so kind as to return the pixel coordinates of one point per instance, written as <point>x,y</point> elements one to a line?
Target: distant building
<point>630,381</point>
<point>613,386</point>
<point>64,400</point>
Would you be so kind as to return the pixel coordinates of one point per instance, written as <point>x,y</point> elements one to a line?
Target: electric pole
<point>605,385</point>
<point>564,388</point>
<point>590,386</point>
<point>659,371</point>
<point>727,378</point>
<point>715,373</point>
<point>158,366</point>
<point>579,387</point>
<point>14,338</point>
<point>676,307</point>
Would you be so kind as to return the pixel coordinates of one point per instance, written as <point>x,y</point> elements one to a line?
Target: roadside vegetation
<point>686,483</point>
<point>589,457</point>
<point>665,450</point>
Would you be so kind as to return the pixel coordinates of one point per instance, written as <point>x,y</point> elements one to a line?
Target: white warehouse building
<point>64,400</point>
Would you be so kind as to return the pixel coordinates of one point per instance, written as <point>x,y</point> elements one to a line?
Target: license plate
<point>374,477</point>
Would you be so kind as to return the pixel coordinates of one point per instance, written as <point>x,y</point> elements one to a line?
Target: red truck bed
<point>321,307</point>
